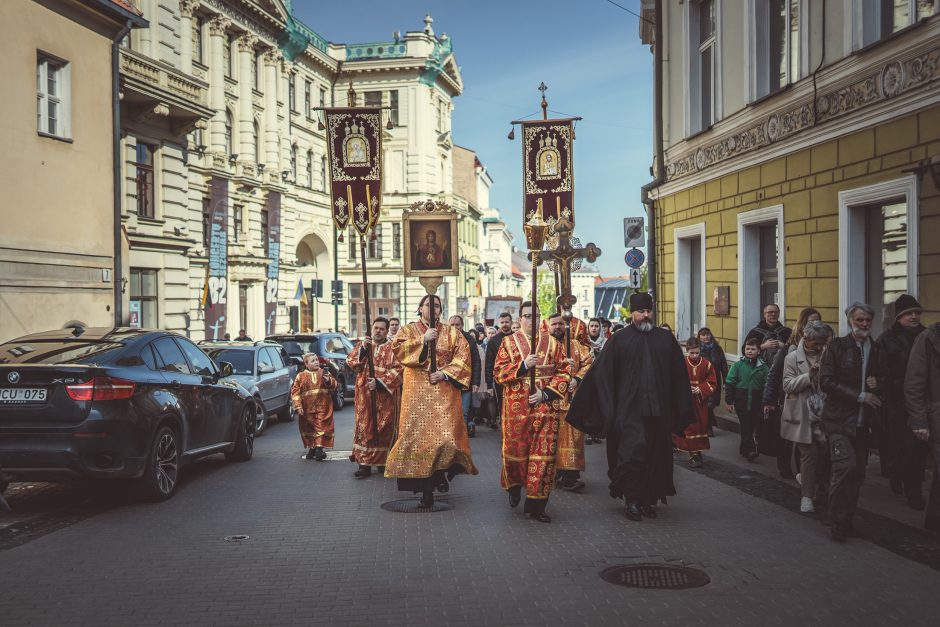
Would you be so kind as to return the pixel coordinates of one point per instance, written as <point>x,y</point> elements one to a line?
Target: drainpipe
<point>660,171</point>
<point>116,171</point>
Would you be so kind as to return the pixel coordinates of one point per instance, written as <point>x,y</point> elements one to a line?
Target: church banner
<point>547,166</point>
<point>354,142</point>
<point>273,206</point>
<point>216,290</point>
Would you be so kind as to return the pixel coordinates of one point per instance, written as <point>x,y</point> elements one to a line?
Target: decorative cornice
<point>248,24</point>
<point>894,78</point>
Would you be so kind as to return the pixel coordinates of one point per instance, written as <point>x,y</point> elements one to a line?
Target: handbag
<point>815,403</point>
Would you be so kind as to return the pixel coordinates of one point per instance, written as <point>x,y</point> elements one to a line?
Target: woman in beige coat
<point>800,372</point>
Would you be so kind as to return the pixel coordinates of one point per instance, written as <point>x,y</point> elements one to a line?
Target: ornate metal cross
<point>566,257</point>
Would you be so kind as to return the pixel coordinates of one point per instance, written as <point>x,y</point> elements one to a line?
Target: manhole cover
<point>655,576</point>
<point>410,506</point>
<point>238,537</point>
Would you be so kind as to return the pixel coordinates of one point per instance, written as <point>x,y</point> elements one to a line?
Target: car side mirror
<point>265,369</point>
<point>225,369</point>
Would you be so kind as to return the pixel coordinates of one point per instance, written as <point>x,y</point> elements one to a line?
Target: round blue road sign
<point>634,258</point>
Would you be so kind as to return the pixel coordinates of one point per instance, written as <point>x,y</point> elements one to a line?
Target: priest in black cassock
<point>636,395</point>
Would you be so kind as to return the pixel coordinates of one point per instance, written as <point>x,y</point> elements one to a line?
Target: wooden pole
<point>368,315</point>
<point>533,334</point>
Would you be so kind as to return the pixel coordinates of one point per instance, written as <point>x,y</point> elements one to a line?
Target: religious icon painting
<point>547,165</point>
<point>354,146</point>
<point>431,241</point>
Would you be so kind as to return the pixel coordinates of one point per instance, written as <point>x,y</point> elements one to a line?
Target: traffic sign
<point>634,258</point>
<point>633,232</point>
<point>636,279</point>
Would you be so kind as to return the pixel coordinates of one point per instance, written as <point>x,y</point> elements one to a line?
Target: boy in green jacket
<point>744,389</point>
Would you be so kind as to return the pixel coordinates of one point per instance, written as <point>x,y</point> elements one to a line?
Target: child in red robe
<point>703,380</point>
<point>312,397</point>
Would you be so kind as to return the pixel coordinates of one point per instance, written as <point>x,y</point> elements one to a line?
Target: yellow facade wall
<point>807,183</point>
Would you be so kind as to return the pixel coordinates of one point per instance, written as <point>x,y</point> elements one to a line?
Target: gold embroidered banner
<point>354,142</point>
<point>547,167</point>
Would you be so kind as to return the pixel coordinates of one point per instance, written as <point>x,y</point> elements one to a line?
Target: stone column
<point>287,78</point>
<point>246,51</point>
<point>187,9</point>
<point>272,59</point>
<point>217,33</point>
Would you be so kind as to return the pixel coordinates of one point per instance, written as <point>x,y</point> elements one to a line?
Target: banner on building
<point>354,144</point>
<point>273,206</point>
<point>216,289</point>
<point>548,169</point>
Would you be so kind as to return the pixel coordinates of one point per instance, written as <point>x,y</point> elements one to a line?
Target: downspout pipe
<point>118,274</point>
<point>660,169</point>
<point>339,73</point>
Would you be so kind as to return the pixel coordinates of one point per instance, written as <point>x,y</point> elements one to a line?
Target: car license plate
<point>22,396</point>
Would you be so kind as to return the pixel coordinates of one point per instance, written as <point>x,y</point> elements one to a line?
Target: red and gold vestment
<point>369,450</point>
<point>312,394</point>
<point>702,376</point>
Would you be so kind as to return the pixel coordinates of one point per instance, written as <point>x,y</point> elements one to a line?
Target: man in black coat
<point>504,330</point>
<point>904,454</point>
<point>637,394</point>
<point>771,333</point>
<point>845,378</point>
<point>773,338</point>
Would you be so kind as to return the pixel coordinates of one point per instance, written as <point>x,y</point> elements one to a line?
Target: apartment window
<point>393,104</point>
<point>243,305</point>
<point>373,99</point>
<point>323,96</point>
<point>52,96</point>
<point>689,280</point>
<point>761,265</point>
<point>396,240</point>
<point>877,19</point>
<point>256,139</point>
<point>323,173</point>
<point>307,104</point>
<point>310,169</point>
<point>228,56</point>
<point>238,216</point>
<point>440,116</point>
<point>777,45</point>
<point>229,123</point>
<point>258,71</point>
<point>143,164</point>
<point>254,72</point>
<point>265,232</point>
<point>144,296</point>
<point>352,243</point>
<point>199,23</point>
<point>293,164</point>
<point>375,245</point>
<point>703,48</point>
<point>206,222</point>
<point>291,93</point>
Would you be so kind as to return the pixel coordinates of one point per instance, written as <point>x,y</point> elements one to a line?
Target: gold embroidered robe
<point>530,434</point>
<point>432,434</point>
<point>311,394</point>
<point>369,450</point>
<point>570,440</point>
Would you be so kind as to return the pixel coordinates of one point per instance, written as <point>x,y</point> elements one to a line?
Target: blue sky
<point>589,54</point>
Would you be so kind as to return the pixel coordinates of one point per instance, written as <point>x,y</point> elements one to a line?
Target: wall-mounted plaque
<point>722,300</point>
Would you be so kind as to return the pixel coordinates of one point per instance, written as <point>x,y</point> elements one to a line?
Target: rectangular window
<point>881,18</point>
<point>228,56</point>
<point>440,116</point>
<point>243,305</point>
<point>886,257</point>
<point>375,245</point>
<point>323,96</point>
<point>291,93</point>
<point>373,99</point>
<point>53,96</point>
<point>777,45</point>
<point>703,46</point>
<point>206,222</point>
<point>144,291</point>
<point>323,173</point>
<point>237,217</point>
<point>393,103</point>
<point>143,164</point>
<point>769,286</point>
<point>352,244</point>
<point>310,169</point>
<point>307,103</point>
<point>254,71</point>
<point>293,164</point>
<point>265,232</point>
<point>396,240</point>
<point>199,24</point>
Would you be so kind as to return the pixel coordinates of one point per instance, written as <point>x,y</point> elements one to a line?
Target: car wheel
<point>163,466</point>
<point>286,414</point>
<point>244,436</point>
<point>261,417</point>
<point>339,396</point>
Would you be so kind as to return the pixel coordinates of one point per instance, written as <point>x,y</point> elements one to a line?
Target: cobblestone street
<point>322,551</point>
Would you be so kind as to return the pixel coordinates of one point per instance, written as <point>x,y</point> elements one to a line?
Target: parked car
<point>265,370</point>
<point>117,403</point>
<point>332,348</point>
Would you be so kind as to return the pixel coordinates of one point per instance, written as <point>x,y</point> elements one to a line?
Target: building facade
<point>57,243</point>
<point>801,160</point>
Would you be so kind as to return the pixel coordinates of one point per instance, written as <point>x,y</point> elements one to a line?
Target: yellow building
<point>58,237</point>
<point>800,160</point>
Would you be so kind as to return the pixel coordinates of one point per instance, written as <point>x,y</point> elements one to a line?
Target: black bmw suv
<point>117,403</point>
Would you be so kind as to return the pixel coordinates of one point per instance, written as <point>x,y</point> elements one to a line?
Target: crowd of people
<point>800,395</point>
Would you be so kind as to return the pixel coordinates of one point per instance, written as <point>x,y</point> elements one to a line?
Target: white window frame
<point>63,98</point>
<point>683,269</point>
<point>852,203</point>
<point>692,73</point>
<point>857,11</point>
<point>749,265</point>
<point>758,47</point>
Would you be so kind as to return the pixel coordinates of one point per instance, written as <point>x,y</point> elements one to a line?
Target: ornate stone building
<point>800,161</point>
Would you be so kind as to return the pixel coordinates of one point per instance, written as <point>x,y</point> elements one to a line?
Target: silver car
<point>262,368</point>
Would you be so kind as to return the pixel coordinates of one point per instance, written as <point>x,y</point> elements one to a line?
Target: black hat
<point>905,304</point>
<point>641,301</point>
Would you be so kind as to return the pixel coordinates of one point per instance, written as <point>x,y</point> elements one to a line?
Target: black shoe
<point>311,454</point>
<point>752,456</point>
<point>427,500</point>
<point>599,440</point>
<point>443,486</point>
<point>515,495</point>
<point>916,502</point>
<point>541,517</point>
<point>897,486</point>
<point>648,511</point>
<point>632,511</point>
<point>363,472</point>
<point>575,486</point>
<point>381,470</point>
<point>320,454</point>
<point>787,475</point>
<point>837,533</point>
<point>588,440</point>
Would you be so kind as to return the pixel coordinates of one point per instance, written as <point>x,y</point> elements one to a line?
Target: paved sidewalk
<point>322,551</point>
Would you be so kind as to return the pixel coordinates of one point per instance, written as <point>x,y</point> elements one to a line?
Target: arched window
<point>229,124</point>
<point>310,169</point>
